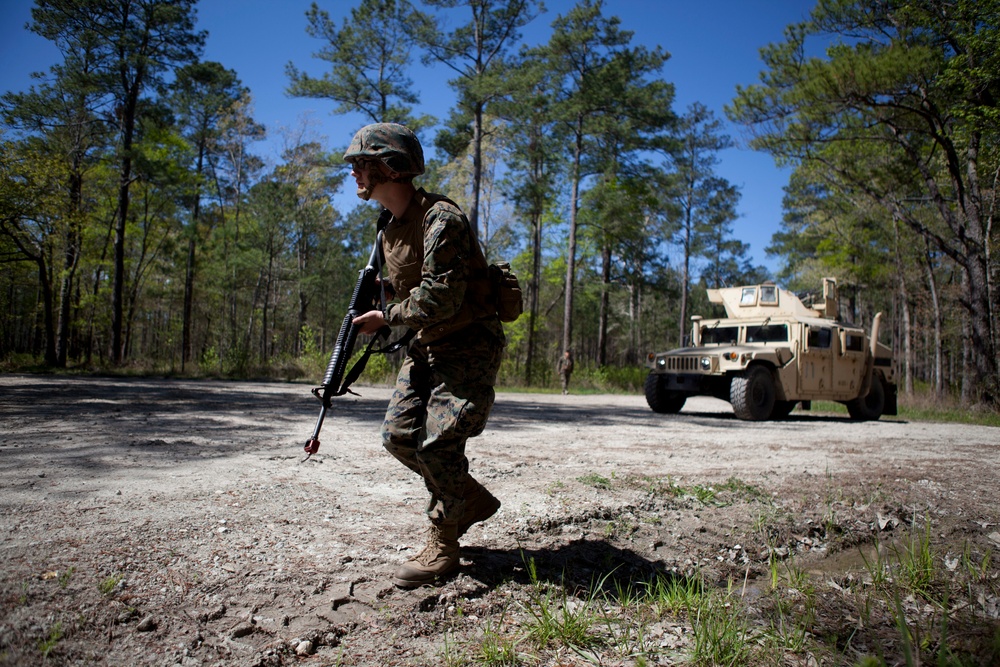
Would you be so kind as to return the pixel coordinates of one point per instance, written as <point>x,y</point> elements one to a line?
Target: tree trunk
<point>48,311</point>
<point>938,381</point>
<point>904,301</point>
<point>968,389</point>
<point>477,166</point>
<point>533,288</point>
<point>602,329</point>
<point>118,281</point>
<point>685,278</point>
<point>71,259</point>
<point>567,338</point>
<point>189,268</point>
<point>128,121</point>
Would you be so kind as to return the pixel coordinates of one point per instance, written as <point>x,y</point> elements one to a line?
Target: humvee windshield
<point>719,335</point>
<point>773,333</point>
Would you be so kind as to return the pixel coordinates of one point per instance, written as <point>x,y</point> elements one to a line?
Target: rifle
<point>368,295</point>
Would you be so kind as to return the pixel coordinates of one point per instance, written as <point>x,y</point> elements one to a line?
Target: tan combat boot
<point>439,557</point>
<point>480,505</point>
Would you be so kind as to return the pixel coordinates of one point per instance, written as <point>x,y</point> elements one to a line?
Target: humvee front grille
<point>682,363</point>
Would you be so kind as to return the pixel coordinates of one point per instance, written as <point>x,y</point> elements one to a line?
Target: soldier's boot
<point>438,558</point>
<point>480,505</point>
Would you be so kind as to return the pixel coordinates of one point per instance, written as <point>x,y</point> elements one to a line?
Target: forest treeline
<point>140,228</point>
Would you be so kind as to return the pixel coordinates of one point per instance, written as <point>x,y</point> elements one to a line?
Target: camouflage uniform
<point>444,391</point>
<point>564,367</point>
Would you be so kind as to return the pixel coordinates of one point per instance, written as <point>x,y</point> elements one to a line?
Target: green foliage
<point>313,359</point>
<point>866,140</point>
<point>555,617</point>
<point>584,117</point>
<point>722,634</point>
<point>380,370</point>
<point>915,560</point>
<point>743,490</point>
<point>595,480</point>
<point>497,650</point>
<point>675,595</point>
<point>367,58</point>
<point>108,585</point>
<point>49,643</point>
<point>211,363</point>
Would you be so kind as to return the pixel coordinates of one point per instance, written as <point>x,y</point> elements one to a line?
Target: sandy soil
<point>156,522</point>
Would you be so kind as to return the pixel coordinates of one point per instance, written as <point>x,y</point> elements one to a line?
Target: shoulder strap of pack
<point>427,201</point>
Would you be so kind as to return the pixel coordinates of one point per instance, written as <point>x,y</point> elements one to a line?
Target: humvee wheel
<point>870,407</point>
<point>782,409</point>
<point>660,399</point>
<point>752,394</point>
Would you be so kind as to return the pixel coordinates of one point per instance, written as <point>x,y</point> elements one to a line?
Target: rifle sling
<point>359,366</point>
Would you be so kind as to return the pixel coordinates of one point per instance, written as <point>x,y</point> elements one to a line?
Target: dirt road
<point>149,521</point>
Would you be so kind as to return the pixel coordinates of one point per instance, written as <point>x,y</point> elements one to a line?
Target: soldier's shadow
<point>581,566</point>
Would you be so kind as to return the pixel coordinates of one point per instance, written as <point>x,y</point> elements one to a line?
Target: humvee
<point>772,352</point>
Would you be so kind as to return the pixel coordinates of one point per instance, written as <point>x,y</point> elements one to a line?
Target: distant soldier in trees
<point>564,367</point>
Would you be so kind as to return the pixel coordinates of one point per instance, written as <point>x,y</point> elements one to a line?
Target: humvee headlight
<point>661,362</point>
<point>706,363</point>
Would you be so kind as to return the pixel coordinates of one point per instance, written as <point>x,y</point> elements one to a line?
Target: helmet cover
<point>395,145</point>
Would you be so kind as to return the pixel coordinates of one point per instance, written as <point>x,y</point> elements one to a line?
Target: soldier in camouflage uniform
<point>444,391</point>
<point>564,368</point>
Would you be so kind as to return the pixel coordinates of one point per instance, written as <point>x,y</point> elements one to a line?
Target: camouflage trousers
<point>443,397</point>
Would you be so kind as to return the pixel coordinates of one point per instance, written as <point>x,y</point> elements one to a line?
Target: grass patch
<point>108,585</point>
<point>47,645</point>
<point>497,650</point>
<point>65,577</point>
<point>924,408</point>
<point>722,633</point>
<point>595,480</point>
<point>557,618</point>
<point>743,490</point>
<point>674,595</point>
<point>916,562</point>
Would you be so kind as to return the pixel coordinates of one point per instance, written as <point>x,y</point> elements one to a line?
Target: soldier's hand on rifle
<point>370,322</point>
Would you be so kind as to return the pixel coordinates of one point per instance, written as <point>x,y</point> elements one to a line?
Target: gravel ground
<point>155,522</point>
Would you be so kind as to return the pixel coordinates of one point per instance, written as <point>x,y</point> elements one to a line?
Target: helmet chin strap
<point>376,177</point>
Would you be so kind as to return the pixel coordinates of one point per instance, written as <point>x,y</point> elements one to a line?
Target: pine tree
<point>367,57</point>
<point>918,84</point>
<point>136,43</point>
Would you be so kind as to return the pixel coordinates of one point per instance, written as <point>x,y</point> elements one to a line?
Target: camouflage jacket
<point>437,269</point>
<point>564,366</point>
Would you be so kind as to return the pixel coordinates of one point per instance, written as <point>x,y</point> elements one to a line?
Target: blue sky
<point>714,46</point>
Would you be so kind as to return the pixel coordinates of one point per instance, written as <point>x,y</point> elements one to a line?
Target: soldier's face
<point>362,171</point>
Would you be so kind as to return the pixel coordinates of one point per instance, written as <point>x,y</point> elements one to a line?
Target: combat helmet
<point>395,145</point>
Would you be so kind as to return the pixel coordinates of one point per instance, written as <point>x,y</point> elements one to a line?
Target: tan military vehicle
<point>772,352</point>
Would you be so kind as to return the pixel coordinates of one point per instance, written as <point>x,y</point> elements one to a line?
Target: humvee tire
<point>870,407</point>
<point>660,399</point>
<point>752,394</point>
<point>782,409</point>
